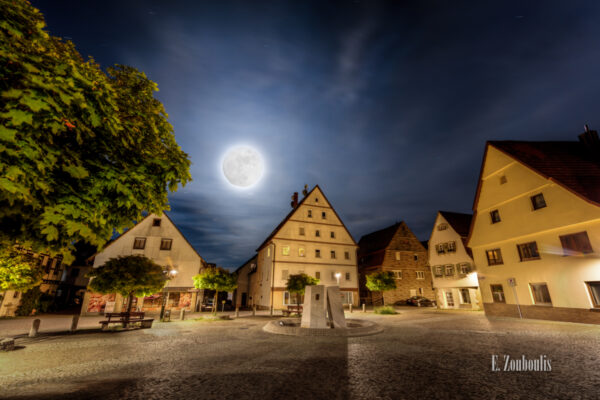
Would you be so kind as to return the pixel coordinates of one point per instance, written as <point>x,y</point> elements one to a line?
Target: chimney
<point>294,202</point>
<point>590,140</point>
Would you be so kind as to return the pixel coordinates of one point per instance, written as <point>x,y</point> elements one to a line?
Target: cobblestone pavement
<point>422,354</point>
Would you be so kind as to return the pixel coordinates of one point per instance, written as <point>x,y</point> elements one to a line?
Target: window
<point>269,251</point>
<point>451,247</point>
<point>301,233</point>
<point>494,257</point>
<point>165,244</point>
<point>309,213</point>
<point>301,252</point>
<point>348,276</point>
<point>495,215</point>
<point>333,277</point>
<point>464,268</point>
<point>316,199</point>
<point>333,254</point>
<point>290,299</point>
<point>449,270</point>
<point>438,271</point>
<point>324,215</point>
<point>332,235</point>
<point>285,250</point>
<point>397,274</point>
<point>347,255</point>
<point>318,253</point>
<point>442,227</point>
<point>576,243</point>
<point>449,299</point>
<point>421,291</point>
<point>346,297</point>
<point>397,256</point>
<point>285,274</point>
<point>156,222</point>
<point>420,274</point>
<point>465,296</point>
<point>74,272</point>
<point>416,257</point>
<point>498,293</point>
<point>594,288</point>
<point>528,251</point>
<point>440,248</point>
<point>540,293</point>
<point>503,179</point>
<point>139,243</point>
<point>318,274</point>
<point>318,233</point>
<point>538,201</point>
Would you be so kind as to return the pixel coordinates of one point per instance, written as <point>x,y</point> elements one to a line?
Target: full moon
<point>243,166</point>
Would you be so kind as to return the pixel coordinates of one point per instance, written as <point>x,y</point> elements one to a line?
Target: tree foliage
<point>82,151</point>
<point>128,275</point>
<point>297,284</point>
<point>217,279</point>
<point>380,281</point>
<point>18,271</point>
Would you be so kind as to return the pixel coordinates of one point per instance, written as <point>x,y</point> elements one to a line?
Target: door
<point>244,299</point>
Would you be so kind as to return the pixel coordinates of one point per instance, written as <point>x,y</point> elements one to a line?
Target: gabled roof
<point>244,264</point>
<point>378,240</point>
<point>110,242</point>
<point>278,227</point>
<point>460,222</point>
<point>569,164</point>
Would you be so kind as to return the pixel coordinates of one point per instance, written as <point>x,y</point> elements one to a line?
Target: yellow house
<point>311,239</point>
<point>454,273</point>
<point>535,234</point>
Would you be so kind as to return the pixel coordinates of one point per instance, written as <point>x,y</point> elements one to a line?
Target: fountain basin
<point>291,326</point>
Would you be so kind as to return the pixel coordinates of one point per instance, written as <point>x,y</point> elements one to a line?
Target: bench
<point>292,310</point>
<point>126,319</point>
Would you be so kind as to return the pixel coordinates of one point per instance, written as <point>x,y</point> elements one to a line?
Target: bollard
<point>35,327</point>
<point>254,310</point>
<point>182,314</point>
<point>74,323</point>
<point>364,307</point>
<point>237,312</point>
<point>350,308</point>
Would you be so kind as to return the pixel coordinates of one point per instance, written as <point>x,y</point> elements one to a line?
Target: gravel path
<point>422,354</point>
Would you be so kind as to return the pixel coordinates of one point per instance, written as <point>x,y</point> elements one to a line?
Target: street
<point>422,354</point>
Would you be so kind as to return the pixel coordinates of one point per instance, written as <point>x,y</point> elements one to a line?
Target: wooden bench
<point>126,319</point>
<point>292,310</point>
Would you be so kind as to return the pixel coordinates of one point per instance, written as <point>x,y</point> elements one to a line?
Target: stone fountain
<point>322,315</point>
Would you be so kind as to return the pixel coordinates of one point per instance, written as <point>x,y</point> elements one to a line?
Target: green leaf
<point>7,134</point>
<point>18,117</point>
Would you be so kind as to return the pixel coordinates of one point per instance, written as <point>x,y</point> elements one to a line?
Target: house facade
<point>452,268</point>
<point>311,239</point>
<point>536,229</point>
<point>397,250</point>
<point>53,270</point>
<point>246,280</point>
<point>157,238</point>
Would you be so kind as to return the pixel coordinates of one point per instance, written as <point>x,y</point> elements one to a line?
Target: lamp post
<point>171,274</point>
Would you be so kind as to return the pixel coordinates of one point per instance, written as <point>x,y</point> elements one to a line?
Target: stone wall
<point>581,315</point>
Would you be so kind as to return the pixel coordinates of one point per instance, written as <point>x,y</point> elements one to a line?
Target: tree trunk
<point>215,301</point>
<point>129,303</point>
<point>298,303</point>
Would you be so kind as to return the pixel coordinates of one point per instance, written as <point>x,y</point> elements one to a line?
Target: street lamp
<point>337,276</point>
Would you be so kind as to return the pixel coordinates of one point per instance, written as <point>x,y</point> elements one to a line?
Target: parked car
<point>207,305</point>
<point>420,301</point>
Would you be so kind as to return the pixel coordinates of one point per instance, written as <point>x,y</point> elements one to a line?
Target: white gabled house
<point>159,239</point>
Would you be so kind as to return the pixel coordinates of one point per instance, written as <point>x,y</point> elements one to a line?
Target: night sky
<point>387,106</point>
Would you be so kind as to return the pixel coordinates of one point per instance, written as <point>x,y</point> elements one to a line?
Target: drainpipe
<point>272,276</point>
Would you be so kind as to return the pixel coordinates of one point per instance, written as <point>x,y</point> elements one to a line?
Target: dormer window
<point>156,222</point>
<point>538,201</point>
<point>495,216</point>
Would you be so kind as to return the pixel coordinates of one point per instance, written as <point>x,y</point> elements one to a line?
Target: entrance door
<point>244,295</point>
<point>449,299</point>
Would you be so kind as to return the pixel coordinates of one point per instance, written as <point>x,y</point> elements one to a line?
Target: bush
<point>385,310</point>
<point>29,301</point>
